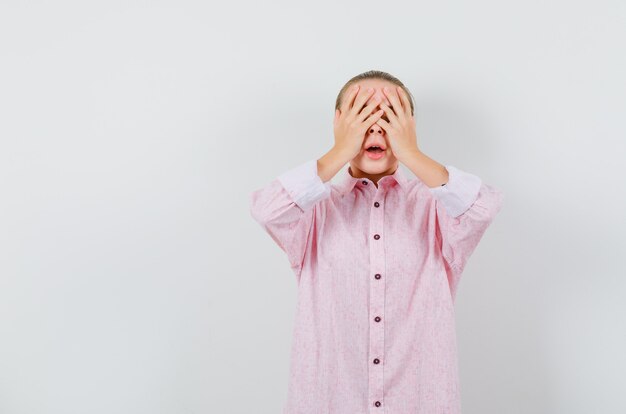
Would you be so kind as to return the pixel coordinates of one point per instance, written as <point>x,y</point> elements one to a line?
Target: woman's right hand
<point>352,121</point>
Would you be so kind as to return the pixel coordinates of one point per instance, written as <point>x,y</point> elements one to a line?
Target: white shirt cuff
<point>459,193</point>
<point>304,185</point>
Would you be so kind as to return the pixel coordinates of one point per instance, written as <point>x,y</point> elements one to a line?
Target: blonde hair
<point>374,74</point>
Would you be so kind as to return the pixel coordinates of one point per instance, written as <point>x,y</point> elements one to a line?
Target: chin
<point>370,166</point>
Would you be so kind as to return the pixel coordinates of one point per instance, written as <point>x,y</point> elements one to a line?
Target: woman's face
<point>379,162</point>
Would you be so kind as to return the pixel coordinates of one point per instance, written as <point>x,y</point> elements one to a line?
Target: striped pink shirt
<point>377,269</point>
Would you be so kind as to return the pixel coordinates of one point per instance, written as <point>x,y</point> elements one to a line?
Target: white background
<point>132,277</point>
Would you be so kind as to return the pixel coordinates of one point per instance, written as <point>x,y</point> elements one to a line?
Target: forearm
<point>331,162</point>
<point>429,171</point>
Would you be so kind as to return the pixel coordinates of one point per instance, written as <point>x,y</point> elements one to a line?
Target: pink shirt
<point>377,271</point>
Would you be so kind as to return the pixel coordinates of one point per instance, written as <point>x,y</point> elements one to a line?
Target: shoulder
<point>415,188</point>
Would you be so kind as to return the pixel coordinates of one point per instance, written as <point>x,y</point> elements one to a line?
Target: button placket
<point>377,303</point>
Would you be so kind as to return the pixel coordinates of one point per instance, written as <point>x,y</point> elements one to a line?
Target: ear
<point>337,114</point>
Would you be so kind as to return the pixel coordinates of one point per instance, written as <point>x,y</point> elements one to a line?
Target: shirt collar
<point>347,181</point>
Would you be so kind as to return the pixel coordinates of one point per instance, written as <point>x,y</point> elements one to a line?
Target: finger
<point>375,117</point>
<point>405,101</point>
<point>347,102</point>
<point>371,120</point>
<point>362,97</point>
<point>383,124</point>
<point>390,114</point>
<point>368,109</point>
<point>395,101</point>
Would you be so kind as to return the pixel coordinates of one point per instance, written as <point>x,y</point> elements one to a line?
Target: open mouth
<point>375,149</point>
<point>375,152</point>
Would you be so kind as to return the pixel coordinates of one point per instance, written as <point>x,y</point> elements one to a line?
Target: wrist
<point>341,153</point>
<point>331,162</point>
<point>408,154</point>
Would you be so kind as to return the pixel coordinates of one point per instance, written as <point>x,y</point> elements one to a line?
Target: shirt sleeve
<point>285,208</point>
<point>464,207</point>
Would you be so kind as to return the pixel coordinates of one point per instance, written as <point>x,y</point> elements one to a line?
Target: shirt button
<point>376,204</point>
<point>376,360</point>
<point>364,182</point>
<point>377,319</point>
<point>377,403</point>
<point>376,236</point>
<point>377,275</point>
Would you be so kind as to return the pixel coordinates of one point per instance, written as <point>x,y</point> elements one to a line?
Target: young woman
<point>377,258</point>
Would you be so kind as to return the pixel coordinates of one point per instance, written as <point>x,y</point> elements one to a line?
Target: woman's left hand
<point>400,129</point>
